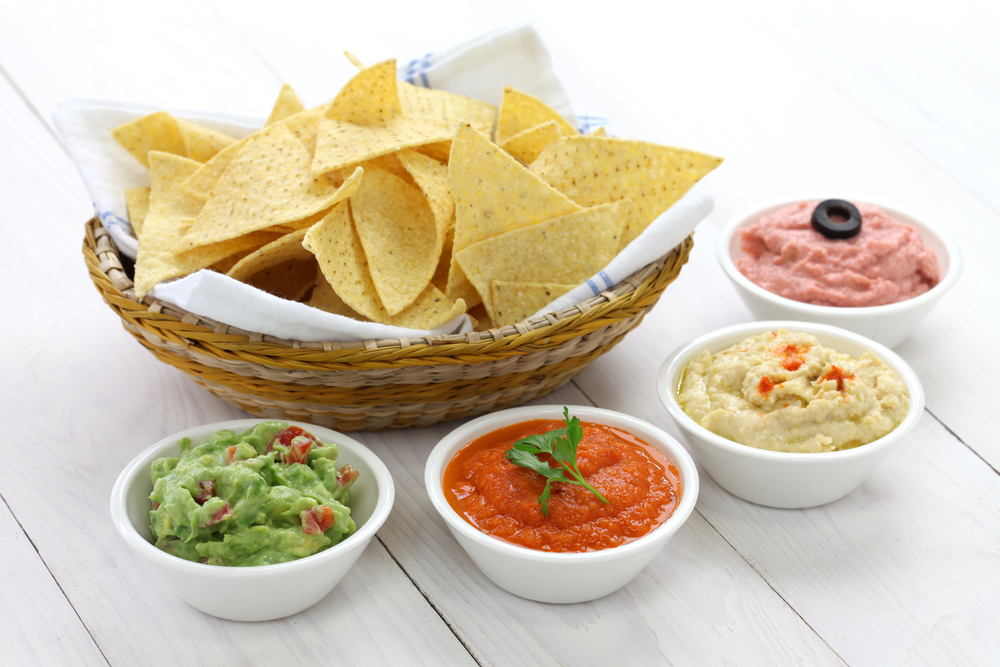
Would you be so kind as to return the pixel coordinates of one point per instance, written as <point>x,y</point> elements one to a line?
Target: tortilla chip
<point>170,212</point>
<point>201,143</point>
<point>291,280</point>
<point>444,109</point>
<point>527,144</point>
<point>281,229</point>
<point>342,260</point>
<point>458,286</point>
<point>493,194</point>
<point>340,144</point>
<point>391,164</point>
<point>480,318</point>
<point>520,111</point>
<point>137,203</point>
<point>370,98</point>
<point>285,249</point>
<point>596,170</point>
<point>515,302</point>
<point>399,237</point>
<point>267,184</point>
<point>325,298</point>
<point>439,151</point>
<point>567,250</point>
<point>433,180</point>
<point>440,278</point>
<point>599,132</point>
<point>305,127</point>
<point>287,104</point>
<point>354,60</point>
<point>240,247</point>
<point>431,309</point>
<point>203,181</point>
<point>153,132</point>
<point>304,223</point>
<point>226,264</point>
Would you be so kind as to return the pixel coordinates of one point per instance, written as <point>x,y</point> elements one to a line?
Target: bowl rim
<point>948,280</point>
<point>140,464</point>
<point>669,377</point>
<point>675,452</point>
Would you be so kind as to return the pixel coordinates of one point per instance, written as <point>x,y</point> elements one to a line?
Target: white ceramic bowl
<point>559,577</point>
<point>889,324</point>
<point>783,479</point>
<point>268,591</point>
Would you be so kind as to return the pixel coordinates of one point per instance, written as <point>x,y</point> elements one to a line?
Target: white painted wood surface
<point>890,102</point>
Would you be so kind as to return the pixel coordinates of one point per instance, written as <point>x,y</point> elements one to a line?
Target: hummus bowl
<point>888,324</point>
<point>546,576</point>
<point>785,479</point>
<point>263,592</point>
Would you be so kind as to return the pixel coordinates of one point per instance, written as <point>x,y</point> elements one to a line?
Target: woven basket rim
<point>109,263</point>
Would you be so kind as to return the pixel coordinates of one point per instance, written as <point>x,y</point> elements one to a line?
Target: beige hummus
<point>784,391</point>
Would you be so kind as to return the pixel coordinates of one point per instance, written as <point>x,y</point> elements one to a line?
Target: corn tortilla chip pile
<point>398,204</point>
<point>283,267</point>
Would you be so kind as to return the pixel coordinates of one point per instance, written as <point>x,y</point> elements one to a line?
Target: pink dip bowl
<point>889,324</point>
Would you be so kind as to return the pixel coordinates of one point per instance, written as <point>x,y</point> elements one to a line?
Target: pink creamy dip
<point>885,263</point>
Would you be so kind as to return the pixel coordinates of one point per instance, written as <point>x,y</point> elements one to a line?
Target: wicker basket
<point>380,384</point>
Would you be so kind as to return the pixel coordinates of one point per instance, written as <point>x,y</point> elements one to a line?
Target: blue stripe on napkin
<point>418,68</point>
<point>109,220</point>
<point>590,123</point>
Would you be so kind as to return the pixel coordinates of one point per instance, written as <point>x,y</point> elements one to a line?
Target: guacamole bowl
<point>549,575</point>
<point>264,592</point>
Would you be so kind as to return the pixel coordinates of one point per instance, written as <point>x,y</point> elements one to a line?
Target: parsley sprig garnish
<point>561,444</point>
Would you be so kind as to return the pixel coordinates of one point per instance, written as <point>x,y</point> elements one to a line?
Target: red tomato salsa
<point>501,499</point>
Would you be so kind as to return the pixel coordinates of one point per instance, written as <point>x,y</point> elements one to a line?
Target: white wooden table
<point>891,102</point>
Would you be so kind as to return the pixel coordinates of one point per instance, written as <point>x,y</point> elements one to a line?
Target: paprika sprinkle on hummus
<point>792,355</point>
<point>500,498</point>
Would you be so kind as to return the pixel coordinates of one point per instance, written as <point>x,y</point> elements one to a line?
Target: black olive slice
<point>836,219</point>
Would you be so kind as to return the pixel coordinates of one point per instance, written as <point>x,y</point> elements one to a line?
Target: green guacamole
<point>268,495</point>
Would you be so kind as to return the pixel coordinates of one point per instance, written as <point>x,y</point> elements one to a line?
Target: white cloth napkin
<point>479,68</point>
